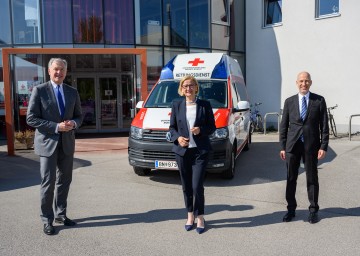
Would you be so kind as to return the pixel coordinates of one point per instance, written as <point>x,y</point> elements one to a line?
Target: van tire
<point>230,172</point>
<point>141,171</point>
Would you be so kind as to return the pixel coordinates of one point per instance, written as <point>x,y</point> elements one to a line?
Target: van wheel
<point>229,173</point>
<point>141,171</point>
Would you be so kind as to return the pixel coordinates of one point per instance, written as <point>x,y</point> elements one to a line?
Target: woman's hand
<point>184,142</point>
<point>195,130</point>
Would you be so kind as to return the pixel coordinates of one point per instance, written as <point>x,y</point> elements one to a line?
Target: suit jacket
<point>178,125</point>
<point>314,128</point>
<point>43,114</point>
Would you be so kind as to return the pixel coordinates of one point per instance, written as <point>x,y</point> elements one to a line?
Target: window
<point>148,22</point>
<point>272,12</point>
<point>199,21</point>
<point>88,21</point>
<point>220,12</point>
<point>5,34</point>
<point>119,22</point>
<point>26,21</point>
<point>57,24</point>
<point>175,22</point>
<point>326,8</point>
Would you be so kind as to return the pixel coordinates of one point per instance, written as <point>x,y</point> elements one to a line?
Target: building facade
<point>109,84</point>
<point>319,36</point>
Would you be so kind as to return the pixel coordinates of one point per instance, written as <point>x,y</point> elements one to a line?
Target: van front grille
<point>154,135</point>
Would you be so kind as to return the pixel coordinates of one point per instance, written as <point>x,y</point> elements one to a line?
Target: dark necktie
<point>303,113</point>
<point>61,102</point>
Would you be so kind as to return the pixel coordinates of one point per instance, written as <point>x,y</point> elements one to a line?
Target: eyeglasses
<point>192,86</point>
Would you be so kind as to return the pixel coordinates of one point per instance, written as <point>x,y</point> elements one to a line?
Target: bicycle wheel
<point>259,123</point>
<point>333,126</point>
<point>251,127</point>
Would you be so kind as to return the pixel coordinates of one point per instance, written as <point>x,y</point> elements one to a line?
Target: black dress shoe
<point>313,218</point>
<point>49,229</point>
<point>289,216</point>
<point>65,221</point>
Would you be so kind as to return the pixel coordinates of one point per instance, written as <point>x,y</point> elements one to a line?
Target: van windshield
<point>215,91</point>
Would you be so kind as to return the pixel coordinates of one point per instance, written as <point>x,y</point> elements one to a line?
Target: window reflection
<point>57,22</point>
<point>26,21</point>
<point>148,15</point>
<point>88,21</point>
<point>119,22</point>
<point>273,12</point>
<point>5,34</point>
<point>199,23</point>
<point>175,22</point>
<point>328,7</point>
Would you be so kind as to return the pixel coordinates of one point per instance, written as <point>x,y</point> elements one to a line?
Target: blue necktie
<point>303,113</point>
<point>303,108</point>
<point>61,102</point>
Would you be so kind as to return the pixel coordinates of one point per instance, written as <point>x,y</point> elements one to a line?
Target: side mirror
<point>242,106</point>
<point>139,104</point>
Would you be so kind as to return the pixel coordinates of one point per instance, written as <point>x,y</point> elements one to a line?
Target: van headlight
<point>136,133</point>
<point>219,134</point>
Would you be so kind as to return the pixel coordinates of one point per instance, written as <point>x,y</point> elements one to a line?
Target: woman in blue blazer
<point>191,123</point>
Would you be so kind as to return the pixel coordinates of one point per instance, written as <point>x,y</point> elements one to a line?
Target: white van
<point>222,84</point>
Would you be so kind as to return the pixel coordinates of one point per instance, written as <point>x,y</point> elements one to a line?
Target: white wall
<point>327,48</point>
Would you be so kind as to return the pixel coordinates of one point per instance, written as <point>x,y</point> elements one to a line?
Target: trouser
<point>192,168</point>
<point>56,176</point>
<point>312,182</point>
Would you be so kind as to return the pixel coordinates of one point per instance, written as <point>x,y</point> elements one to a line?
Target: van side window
<point>235,96</point>
<point>242,91</point>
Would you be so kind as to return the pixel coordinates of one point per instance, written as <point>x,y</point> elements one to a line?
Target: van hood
<point>159,118</point>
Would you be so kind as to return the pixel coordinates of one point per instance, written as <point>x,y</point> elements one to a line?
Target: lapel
<point>198,113</point>
<point>182,115</point>
<point>297,106</point>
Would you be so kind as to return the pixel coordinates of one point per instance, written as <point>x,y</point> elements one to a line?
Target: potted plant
<point>24,139</point>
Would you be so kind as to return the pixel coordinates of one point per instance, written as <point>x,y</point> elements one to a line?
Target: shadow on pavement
<point>22,170</point>
<point>261,164</point>
<point>152,216</point>
<point>276,217</point>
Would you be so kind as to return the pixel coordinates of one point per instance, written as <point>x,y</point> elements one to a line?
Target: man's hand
<point>282,154</point>
<point>321,154</point>
<point>66,126</point>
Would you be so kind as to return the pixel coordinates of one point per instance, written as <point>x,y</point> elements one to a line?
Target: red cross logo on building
<point>195,62</point>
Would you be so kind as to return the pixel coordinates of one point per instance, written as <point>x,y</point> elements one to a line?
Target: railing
<point>350,124</point>
<point>268,114</point>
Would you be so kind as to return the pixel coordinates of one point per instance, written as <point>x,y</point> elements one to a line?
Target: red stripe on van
<point>221,117</point>
<point>139,118</point>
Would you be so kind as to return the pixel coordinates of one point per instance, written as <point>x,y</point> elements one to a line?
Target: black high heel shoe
<point>200,230</point>
<point>189,227</point>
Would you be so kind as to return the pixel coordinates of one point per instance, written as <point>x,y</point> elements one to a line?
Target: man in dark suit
<point>55,111</point>
<point>304,134</point>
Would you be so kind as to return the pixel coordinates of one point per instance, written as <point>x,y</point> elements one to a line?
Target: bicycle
<point>332,121</point>
<point>256,119</point>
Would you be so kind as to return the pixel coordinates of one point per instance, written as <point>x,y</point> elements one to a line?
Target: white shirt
<point>190,120</point>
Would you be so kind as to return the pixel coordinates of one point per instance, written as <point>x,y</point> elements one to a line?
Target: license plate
<point>170,165</point>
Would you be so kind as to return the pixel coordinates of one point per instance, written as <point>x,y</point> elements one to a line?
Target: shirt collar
<point>306,96</point>
<point>55,85</point>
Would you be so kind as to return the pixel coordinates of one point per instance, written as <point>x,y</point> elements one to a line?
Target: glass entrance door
<point>109,103</point>
<point>106,102</point>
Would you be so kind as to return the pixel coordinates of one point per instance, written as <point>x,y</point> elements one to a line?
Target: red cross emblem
<point>195,62</point>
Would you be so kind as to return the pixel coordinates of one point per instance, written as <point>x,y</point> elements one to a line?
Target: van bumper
<point>144,153</point>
